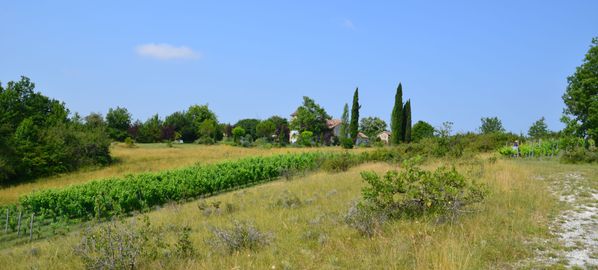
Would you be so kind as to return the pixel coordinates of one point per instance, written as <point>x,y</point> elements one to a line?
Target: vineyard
<point>543,148</point>
<point>53,211</point>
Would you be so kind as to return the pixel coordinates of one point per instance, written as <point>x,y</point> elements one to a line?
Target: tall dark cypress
<point>396,119</point>
<point>408,121</point>
<point>354,124</point>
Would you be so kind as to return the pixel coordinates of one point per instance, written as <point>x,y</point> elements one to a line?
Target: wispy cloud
<point>166,51</point>
<point>348,24</point>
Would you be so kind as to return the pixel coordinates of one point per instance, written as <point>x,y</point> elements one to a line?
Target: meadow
<point>302,219</point>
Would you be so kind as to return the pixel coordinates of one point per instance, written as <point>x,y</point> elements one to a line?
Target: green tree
<point>396,122</point>
<point>581,97</point>
<point>422,130</point>
<point>182,124</point>
<point>238,133</point>
<point>281,132</point>
<point>249,125</point>
<point>37,138</point>
<point>344,128</point>
<point>208,129</point>
<point>118,121</point>
<point>407,122</point>
<point>491,125</point>
<point>372,126</point>
<point>354,124</point>
<point>539,129</point>
<point>151,130</point>
<point>95,120</point>
<point>310,117</point>
<point>265,129</point>
<point>306,138</point>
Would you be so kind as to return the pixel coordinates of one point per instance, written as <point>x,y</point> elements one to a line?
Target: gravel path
<point>576,227</point>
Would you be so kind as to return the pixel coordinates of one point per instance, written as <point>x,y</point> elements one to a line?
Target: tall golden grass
<point>491,237</point>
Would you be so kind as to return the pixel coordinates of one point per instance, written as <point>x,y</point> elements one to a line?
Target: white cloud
<point>348,24</point>
<point>166,51</point>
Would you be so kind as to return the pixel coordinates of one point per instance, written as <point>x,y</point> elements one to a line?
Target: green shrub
<point>579,155</point>
<point>339,163</point>
<point>415,192</point>
<point>129,142</point>
<point>347,143</point>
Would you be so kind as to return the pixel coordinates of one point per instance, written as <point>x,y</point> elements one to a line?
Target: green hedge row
<point>137,192</point>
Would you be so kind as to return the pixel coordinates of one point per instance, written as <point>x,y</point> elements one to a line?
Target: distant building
<point>362,139</point>
<point>384,137</point>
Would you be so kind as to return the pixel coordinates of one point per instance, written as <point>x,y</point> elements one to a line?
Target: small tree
<point>539,129</point>
<point>396,117</point>
<point>372,126</point>
<point>344,128</point>
<point>238,132</point>
<point>354,124</point>
<point>207,129</point>
<point>422,130</point>
<point>407,122</point>
<point>265,129</point>
<point>306,138</point>
<point>491,125</point>
<point>119,121</point>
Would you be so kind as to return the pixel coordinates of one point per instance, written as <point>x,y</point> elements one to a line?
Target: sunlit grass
<point>314,236</point>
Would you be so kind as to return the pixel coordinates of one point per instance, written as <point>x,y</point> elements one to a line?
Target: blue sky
<point>458,60</point>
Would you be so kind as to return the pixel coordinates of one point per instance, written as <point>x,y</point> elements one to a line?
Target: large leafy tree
<point>581,97</point>
<point>354,124</point>
<point>118,121</point>
<point>310,117</point>
<point>372,126</point>
<point>396,122</point>
<point>422,130</point>
<point>539,129</point>
<point>37,138</point>
<point>491,125</point>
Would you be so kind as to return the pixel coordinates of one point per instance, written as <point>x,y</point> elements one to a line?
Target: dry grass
<point>491,238</point>
<point>146,158</point>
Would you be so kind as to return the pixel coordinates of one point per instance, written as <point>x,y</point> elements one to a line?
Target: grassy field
<point>147,158</point>
<point>312,235</point>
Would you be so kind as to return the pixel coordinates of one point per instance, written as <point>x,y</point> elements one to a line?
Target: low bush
<point>287,200</point>
<point>339,163</point>
<point>347,143</point>
<point>365,218</point>
<point>240,236</point>
<point>579,155</point>
<point>415,192</point>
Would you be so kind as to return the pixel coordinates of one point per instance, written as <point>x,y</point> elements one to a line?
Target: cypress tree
<point>396,118</point>
<point>408,121</point>
<point>345,122</point>
<point>354,124</point>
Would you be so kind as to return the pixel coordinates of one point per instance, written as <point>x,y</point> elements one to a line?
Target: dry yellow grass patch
<point>490,237</point>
